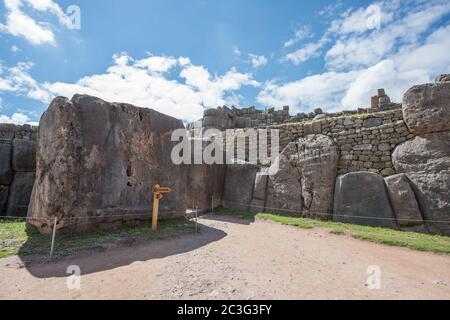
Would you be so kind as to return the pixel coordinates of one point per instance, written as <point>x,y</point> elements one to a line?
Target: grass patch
<point>392,237</point>
<point>18,239</point>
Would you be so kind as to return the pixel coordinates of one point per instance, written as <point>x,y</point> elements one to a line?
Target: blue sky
<point>180,57</point>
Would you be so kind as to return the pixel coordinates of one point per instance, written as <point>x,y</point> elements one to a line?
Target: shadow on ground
<point>117,255</point>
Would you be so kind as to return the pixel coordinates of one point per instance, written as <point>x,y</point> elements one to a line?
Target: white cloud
<point>257,61</point>
<point>15,49</point>
<point>321,90</point>
<point>361,59</point>
<point>300,34</point>
<point>310,50</point>
<point>20,24</point>
<point>236,51</point>
<point>18,81</point>
<point>142,83</point>
<point>17,118</point>
<point>409,67</point>
<point>358,46</point>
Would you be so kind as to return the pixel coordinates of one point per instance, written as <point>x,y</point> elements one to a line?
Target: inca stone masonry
<point>96,162</point>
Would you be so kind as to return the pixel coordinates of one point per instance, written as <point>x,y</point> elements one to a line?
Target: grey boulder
<point>4,192</point>
<point>305,178</point>
<point>24,155</point>
<point>6,172</point>
<point>426,108</point>
<point>97,163</point>
<point>20,192</point>
<point>426,162</point>
<point>239,182</point>
<point>362,198</point>
<point>403,200</point>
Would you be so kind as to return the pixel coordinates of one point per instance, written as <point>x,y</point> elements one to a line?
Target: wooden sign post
<point>157,195</point>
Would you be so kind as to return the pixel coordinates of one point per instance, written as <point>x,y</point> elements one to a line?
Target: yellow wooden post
<point>157,195</point>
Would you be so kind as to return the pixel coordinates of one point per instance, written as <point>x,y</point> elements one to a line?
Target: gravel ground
<point>235,259</point>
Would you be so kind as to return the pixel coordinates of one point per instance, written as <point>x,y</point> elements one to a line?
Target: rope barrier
<point>341,215</point>
<point>303,213</point>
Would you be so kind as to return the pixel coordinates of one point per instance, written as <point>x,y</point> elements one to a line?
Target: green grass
<point>17,238</point>
<point>392,237</point>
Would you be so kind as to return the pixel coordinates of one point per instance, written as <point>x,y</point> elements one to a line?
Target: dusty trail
<point>235,260</point>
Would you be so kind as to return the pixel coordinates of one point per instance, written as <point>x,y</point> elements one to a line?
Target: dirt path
<point>233,260</point>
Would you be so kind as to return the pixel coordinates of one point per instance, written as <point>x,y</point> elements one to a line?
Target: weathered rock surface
<point>260,187</point>
<point>362,198</point>
<point>98,162</point>
<point>205,186</point>
<point>24,155</point>
<point>4,191</point>
<point>20,193</point>
<point>6,172</point>
<point>426,162</point>
<point>443,78</point>
<point>305,181</point>
<point>403,201</point>
<point>426,108</point>
<point>239,183</point>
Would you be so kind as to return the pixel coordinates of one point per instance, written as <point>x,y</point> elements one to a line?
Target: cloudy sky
<point>179,56</point>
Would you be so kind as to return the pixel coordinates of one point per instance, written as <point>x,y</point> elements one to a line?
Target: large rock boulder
<point>426,162</point>
<point>239,182</point>
<point>6,172</point>
<point>20,193</point>
<point>4,192</point>
<point>206,184</point>
<point>97,163</point>
<point>443,78</point>
<point>305,180</point>
<point>362,198</point>
<point>24,155</point>
<point>426,108</point>
<point>403,201</point>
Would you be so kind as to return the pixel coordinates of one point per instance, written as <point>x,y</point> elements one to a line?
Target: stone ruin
<point>390,167</point>
<point>224,118</point>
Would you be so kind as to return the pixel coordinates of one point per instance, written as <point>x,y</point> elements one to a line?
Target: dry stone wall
<point>17,168</point>
<point>365,142</point>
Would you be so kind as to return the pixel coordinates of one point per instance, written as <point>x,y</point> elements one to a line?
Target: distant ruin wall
<point>17,168</point>
<point>365,141</point>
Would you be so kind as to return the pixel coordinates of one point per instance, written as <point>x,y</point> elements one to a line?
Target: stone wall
<point>17,168</point>
<point>387,169</point>
<point>365,142</point>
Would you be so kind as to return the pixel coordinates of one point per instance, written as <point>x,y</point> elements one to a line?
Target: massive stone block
<point>362,198</point>
<point>403,201</point>
<point>305,181</point>
<point>20,193</point>
<point>426,108</point>
<point>239,182</point>
<point>24,155</point>
<point>4,192</point>
<point>6,173</point>
<point>426,162</point>
<point>260,187</point>
<point>206,184</point>
<point>97,163</point>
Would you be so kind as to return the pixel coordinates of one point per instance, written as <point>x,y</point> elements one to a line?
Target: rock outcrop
<point>239,183</point>
<point>426,162</point>
<point>403,201</point>
<point>362,198</point>
<point>305,179</point>
<point>426,108</point>
<point>97,163</point>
